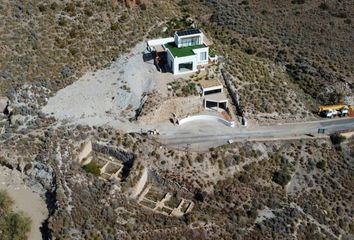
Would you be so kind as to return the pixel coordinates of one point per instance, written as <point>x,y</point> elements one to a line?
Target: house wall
<point>170,60</point>
<point>160,41</point>
<point>198,52</point>
<point>178,38</point>
<point>179,60</point>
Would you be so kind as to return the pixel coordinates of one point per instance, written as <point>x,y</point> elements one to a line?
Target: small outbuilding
<point>213,93</point>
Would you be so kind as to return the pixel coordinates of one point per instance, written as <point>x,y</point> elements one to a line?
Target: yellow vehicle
<point>341,109</point>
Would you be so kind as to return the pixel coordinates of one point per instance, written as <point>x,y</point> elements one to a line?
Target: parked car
<point>330,113</point>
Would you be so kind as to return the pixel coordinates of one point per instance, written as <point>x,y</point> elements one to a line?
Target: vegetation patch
<point>92,168</point>
<point>13,225</point>
<point>281,177</point>
<point>322,165</point>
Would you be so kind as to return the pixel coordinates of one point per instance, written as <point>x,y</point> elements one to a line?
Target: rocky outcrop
<point>114,152</point>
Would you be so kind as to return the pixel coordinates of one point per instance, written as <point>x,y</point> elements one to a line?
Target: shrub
<point>42,8</point>
<point>114,26</point>
<point>212,52</point>
<point>322,165</point>
<point>92,168</point>
<point>54,5</point>
<point>250,51</point>
<point>188,89</point>
<point>73,51</point>
<point>281,177</point>
<point>62,21</point>
<point>142,6</point>
<point>88,12</point>
<point>324,6</point>
<point>199,196</point>
<point>244,2</point>
<point>348,21</point>
<point>337,138</point>
<point>298,1</point>
<point>15,226</point>
<point>70,7</point>
<point>5,202</point>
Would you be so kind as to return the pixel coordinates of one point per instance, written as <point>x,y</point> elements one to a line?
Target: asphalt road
<point>203,134</point>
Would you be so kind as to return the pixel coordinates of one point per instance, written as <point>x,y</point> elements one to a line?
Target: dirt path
<point>24,199</point>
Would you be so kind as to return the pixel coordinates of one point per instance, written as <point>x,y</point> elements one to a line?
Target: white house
<point>184,53</point>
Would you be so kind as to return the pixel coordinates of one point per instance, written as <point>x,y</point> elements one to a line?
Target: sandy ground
<point>181,106</point>
<point>24,199</point>
<point>108,96</point>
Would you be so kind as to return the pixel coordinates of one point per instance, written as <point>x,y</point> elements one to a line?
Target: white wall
<point>159,41</point>
<point>209,118</point>
<point>169,59</point>
<point>205,90</point>
<point>179,60</point>
<point>198,51</point>
<point>178,38</point>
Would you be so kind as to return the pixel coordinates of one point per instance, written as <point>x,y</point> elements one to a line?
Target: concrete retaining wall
<point>206,118</point>
<point>234,96</point>
<point>138,188</point>
<point>85,151</point>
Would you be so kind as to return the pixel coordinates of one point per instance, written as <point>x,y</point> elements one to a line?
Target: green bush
<point>212,52</point>
<point>281,177</point>
<point>5,202</point>
<point>42,8</point>
<point>92,168</point>
<point>322,165</point>
<point>13,225</point>
<point>324,6</point>
<point>114,26</point>
<point>189,89</point>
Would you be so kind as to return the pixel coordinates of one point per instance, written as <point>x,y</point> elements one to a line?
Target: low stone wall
<point>138,188</point>
<point>206,118</point>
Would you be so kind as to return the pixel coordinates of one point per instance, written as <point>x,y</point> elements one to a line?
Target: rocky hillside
<point>307,45</point>
<point>51,43</point>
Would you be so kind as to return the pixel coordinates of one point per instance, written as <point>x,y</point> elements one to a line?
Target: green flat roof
<point>183,51</point>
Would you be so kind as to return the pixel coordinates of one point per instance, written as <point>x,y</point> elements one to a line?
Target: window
<point>185,42</point>
<point>185,67</point>
<point>203,56</point>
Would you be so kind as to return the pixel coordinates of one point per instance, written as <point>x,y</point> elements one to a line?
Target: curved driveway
<point>202,134</point>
